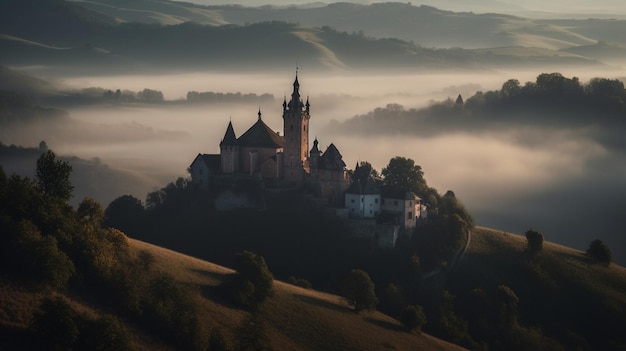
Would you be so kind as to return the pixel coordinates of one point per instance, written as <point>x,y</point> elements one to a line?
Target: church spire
<point>259,113</point>
<point>229,137</point>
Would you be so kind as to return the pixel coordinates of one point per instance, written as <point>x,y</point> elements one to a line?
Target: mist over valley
<point>353,59</point>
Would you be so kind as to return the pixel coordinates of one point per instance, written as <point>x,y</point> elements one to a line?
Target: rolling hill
<point>294,318</point>
<point>100,36</point>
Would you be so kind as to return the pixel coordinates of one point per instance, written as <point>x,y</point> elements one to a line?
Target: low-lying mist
<point>559,181</point>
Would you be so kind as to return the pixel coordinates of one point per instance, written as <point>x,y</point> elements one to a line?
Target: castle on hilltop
<point>261,156</point>
<point>282,161</point>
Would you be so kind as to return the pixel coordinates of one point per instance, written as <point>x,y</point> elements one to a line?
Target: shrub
<point>535,240</point>
<point>253,282</point>
<point>413,317</point>
<point>303,283</point>
<point>57,326</point>
<point>358,290</point>
<point>599,252</point>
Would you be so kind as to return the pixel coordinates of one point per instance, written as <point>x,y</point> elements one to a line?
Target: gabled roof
<point>368,187</point>
<point>331,159</point>
<point>212,162</point>
<point>260,135</point>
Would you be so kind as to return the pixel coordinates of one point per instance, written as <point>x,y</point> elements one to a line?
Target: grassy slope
<point>295,318</point>
<point>561,288</point>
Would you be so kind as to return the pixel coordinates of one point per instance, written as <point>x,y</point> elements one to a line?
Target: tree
<point>253,282</point>
<point>599,252</point>
<point>53,177</point>
<point>125,213</point>
<point>413,317</point>
<point>402,174</point>
<point>358,290</point>
<point>535,240</point>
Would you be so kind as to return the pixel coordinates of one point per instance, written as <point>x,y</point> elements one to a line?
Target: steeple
<point>259,113</point>
<point>229,137</point>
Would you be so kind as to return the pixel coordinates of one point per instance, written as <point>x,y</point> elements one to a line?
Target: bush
<point>413,317</point>
<point>599,252</point>
<point>303,283</point>
<point>57,326</point>
<point>358,290</point>
<point>535,240</point>
<point>253,282</point>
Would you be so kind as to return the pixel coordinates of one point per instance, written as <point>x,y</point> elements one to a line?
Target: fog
<point>561,182</point>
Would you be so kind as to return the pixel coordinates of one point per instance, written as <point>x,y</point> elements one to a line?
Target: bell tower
<point>296,136</point>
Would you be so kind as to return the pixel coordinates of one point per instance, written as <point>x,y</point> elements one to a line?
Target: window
<point>409,215</point>
<point>304,128</point>
<point>352,200</point>
<point>376,200</point>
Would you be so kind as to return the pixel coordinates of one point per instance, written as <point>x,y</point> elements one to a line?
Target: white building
<point>406,208</point>
<point>363,199</point>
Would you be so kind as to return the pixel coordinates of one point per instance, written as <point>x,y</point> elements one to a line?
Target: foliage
<point>358,290</point>
<point>303,283</point>
<point>599,252</point>
<point>57,326</point>
<point>535,240</point>
<point>251,335</point>
<point>125,213</point>
<point>253,282</point>
<point>402,175</point>
<point>413,317</point>
<point>53,177</point>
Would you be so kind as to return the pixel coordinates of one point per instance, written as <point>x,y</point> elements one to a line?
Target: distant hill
<point>425,25</point>
<point>294,318</point>
<point>72,38</point>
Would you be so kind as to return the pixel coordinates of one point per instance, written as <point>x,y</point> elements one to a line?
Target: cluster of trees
<point>146,95</point>
<point>552,100</point>
<point>44,241</point>
<point>208,96</point>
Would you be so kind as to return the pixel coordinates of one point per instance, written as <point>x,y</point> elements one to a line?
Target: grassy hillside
<point>560,290</point>
<point>294,318</point>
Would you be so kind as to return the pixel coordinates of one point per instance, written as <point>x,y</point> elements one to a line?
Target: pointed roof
<point>229,137</point>
<point>260,135</point>
<point>295,101</point>
<point>331,159</point>
<point>315,149</point>
<point>366,187</point>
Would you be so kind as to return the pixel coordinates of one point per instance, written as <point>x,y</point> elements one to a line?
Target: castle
<point>281,161</point>
<point>286,162</point>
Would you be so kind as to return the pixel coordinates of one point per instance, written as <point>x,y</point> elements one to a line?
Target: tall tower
<point>229,151</point>
<point>296,136</point>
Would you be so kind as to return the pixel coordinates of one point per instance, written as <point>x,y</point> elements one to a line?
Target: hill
<point>295,318</point>
<point>561,291</point>
<point>75,36</point>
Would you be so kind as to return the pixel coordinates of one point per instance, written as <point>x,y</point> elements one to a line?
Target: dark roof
<point>213,162</point>
<point>229,137</point>
<point>331,159</point>
<point>369,186</point>
<point>260,135</point>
